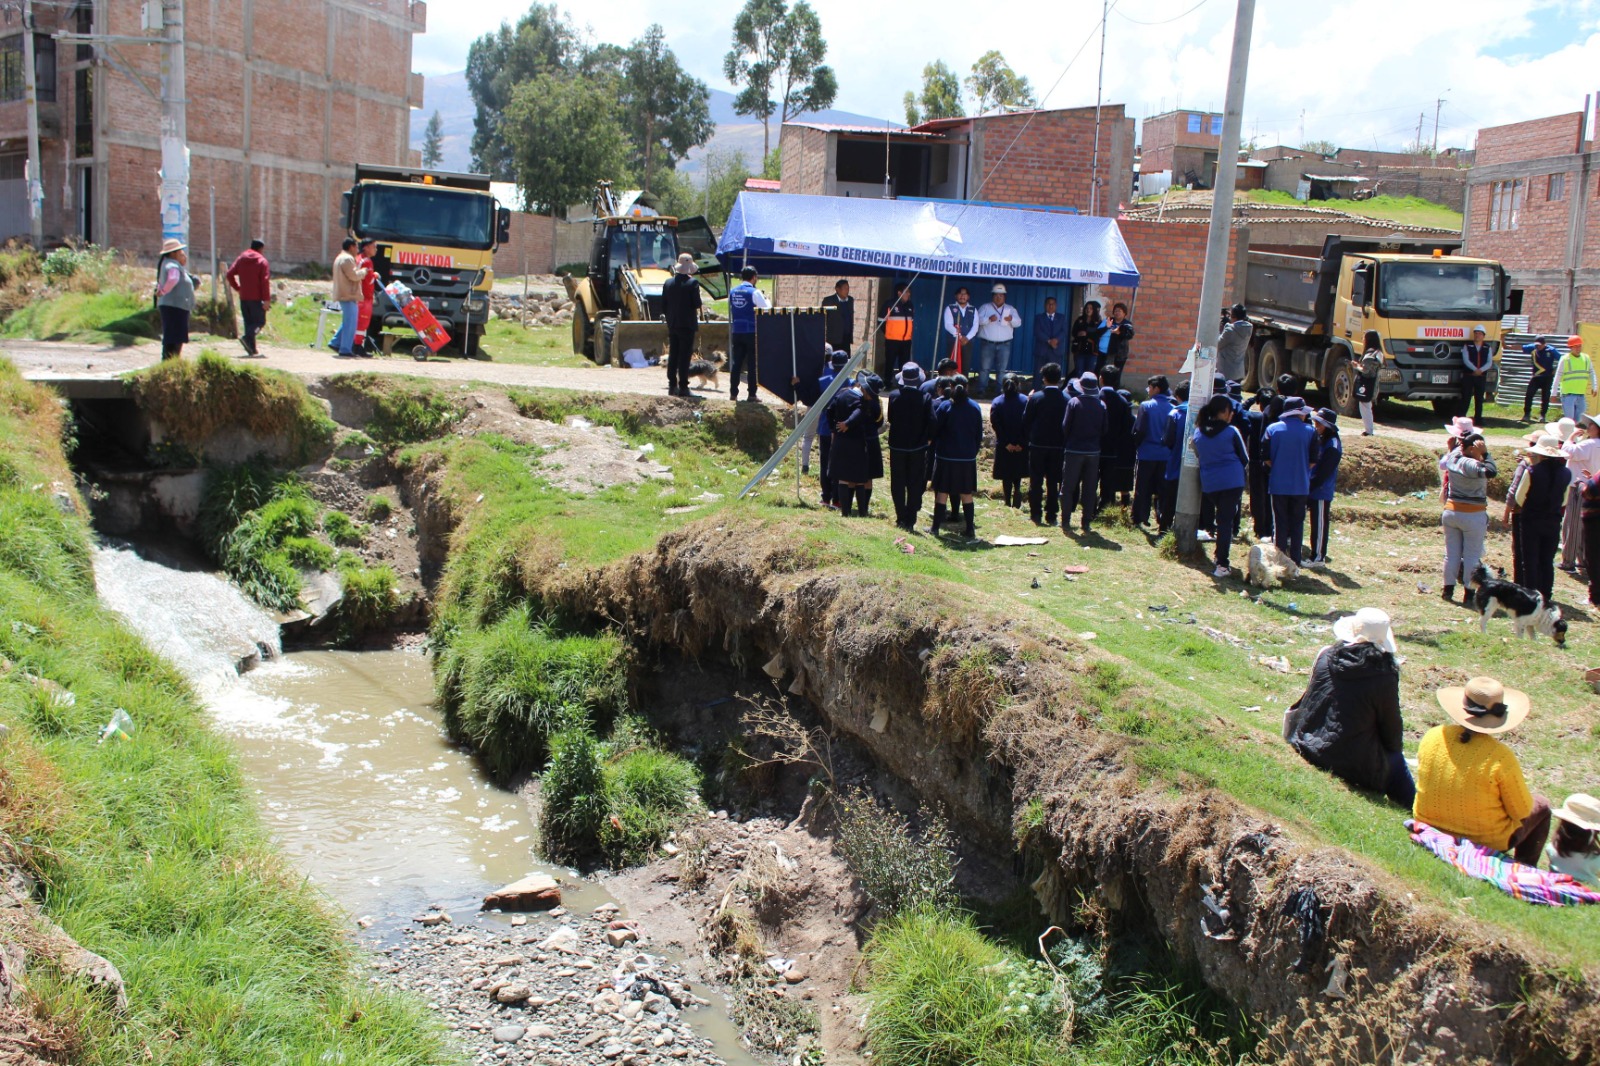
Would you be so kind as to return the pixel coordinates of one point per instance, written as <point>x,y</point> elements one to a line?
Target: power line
<point>1167,22</point>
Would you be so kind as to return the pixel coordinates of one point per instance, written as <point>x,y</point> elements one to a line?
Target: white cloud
<point>1360,71</point>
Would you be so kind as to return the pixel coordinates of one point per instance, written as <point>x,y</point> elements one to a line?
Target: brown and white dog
<point>704,369</point>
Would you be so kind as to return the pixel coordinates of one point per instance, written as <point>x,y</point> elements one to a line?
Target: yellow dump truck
<point>1310,313</point>
<point>437,232</point>
<point>617,303</point>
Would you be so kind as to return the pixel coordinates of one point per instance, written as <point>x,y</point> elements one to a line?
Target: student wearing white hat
<point>1573,851</point>
<point>1348,720</point>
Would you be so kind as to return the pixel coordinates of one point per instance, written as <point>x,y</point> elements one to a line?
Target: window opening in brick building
<point>1514,302</point>
<point>1505,204</point>
<point>83,112</point>
<point>13,166</point>
<point>13,86</point>
<point>1557,189</point>
<point>83,22</point>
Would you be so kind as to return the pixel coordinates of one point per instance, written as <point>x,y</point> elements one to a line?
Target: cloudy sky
<point>1358,72</point>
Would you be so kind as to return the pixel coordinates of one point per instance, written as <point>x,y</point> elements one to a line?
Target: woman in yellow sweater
<point>1469,784</point>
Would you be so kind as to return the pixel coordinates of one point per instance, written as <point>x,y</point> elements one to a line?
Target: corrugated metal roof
<point>763,184</point>
<point>839,127</point>
<point>1331,177</point>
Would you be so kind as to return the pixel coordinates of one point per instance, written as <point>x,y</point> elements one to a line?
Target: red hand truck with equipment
<point>432,334</point>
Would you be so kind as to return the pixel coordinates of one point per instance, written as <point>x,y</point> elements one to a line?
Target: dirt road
<point>44,360</point>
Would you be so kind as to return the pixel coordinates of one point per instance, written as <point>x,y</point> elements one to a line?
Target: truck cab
<point>437,232</point>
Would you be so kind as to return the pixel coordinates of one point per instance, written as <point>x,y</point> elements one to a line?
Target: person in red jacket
<point>251,277</point>
<point>369,287</point>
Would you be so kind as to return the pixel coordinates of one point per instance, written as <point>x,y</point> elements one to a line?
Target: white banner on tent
<point>840,253</point>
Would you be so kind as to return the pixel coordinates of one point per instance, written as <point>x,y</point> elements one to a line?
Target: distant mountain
<point>448,95</point>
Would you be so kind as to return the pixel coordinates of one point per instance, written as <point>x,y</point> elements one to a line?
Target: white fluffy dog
<point>1269,567</point>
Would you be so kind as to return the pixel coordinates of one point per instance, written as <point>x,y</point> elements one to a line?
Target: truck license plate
<point>1441,379</point>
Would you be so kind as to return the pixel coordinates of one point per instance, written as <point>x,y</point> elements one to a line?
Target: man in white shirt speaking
<point>997,321</point>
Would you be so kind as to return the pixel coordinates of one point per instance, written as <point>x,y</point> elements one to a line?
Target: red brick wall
<point>804,155</point>
<point>1171,257</point>
<point>1160,134</point>
<point>532,245</point>
<point>1534,139</point>
<point>1046,157</point>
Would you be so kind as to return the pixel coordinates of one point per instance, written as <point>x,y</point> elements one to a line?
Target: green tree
<point>433,142</point>
<point>711,192</point>
<point>994,84</point>
<point>563,135</point>
<point>1320,147</point>
<point>777,57</point>
<point>665,110</point>
<point>542,42</point>
<point>940,96</point>
<point>772,165</point>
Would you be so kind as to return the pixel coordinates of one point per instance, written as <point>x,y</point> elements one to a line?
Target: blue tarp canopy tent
<point>795,234</point>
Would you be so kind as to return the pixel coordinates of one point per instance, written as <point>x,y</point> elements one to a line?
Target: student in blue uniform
<point>1010,439</point>
<point>836,363</point>
<point>1150,437</point>
<point>1219,448</point>
<point>1083,431</point>
<point>957,436</point>
<point>910,413</point>
<point>1167,501</point>
<point>1324,477</point>
<point>1041,426</point>
<point>1291,451</point>
<point>1117,452</point>
<point>743,299</point>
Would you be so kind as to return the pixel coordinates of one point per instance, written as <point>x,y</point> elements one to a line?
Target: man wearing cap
<point>1469,784</point>
<point>910,413</point>
<point>997,321</point>
<point>1083,431</point>
<point>250,276</point>
<point>839,316</point>
<point>680,306</point>
<point>1291,450</point>
<point>1542,376</point>
<point>899,317</point>
<point>347,275</point>
<point>1575,375</point>
<point>1348,720</point>
<point>743,300</point>
<point>1233,343</point>
<point>961,325</point>
<point>1478,358</point>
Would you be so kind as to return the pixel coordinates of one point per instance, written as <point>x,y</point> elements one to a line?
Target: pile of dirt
<point>578,456</point>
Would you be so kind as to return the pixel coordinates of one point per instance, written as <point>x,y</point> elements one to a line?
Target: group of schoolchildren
<point>1079,445</point>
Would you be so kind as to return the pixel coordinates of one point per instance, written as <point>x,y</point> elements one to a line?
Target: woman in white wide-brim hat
<point>1469,784</point>
<point>1348,720</point>
<point>1573,851</point>
<point>174,296</point>
<point>1582,450</point>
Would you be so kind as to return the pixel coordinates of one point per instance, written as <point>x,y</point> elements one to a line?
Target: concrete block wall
<point>531,248</point>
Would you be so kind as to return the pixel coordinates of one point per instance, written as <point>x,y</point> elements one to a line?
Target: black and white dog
<point>1530,614</point>
<point>705,370</point>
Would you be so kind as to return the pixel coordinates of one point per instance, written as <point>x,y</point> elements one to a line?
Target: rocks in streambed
<point>551,992</point>
<point>536,892</point>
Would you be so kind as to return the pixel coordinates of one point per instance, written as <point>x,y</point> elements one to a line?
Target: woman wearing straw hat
<point>1468,468</point>
<point>1469,784</point>
<point>1582,449</point>
<point>1348,721</point>
<point>174,296</point>
<point>1573,851</point>
<point>1537,499</point>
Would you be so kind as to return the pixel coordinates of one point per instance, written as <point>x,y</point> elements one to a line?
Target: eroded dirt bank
<point>1336,959</point>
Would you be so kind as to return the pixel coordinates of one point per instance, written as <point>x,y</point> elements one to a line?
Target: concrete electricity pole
<point>1203,357</point>
<point>174,127</point>
<point>30,91</point>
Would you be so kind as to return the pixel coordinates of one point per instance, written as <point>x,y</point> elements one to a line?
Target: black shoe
<point>1448,594</point>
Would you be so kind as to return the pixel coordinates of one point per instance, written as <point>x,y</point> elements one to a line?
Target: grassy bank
<point>147,848</point>
<point>1411,210</point>
<point>1196,680</point>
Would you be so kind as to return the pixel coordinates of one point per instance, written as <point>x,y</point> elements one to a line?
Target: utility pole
<point>1203,358</point>
<point>1094,169</point>
<point>174,127</point>
<point>30,91</point>
<point>1438,105</point>
<point>1417,144</point>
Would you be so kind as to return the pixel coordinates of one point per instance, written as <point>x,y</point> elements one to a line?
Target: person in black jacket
<point>1010,439</point>
<point>849,460</point>
<point>1083,432</point>
<point>680,306</point>
<point>1041,427</point>
<point>1117,453</point>
<point>1348,720</point>
<point>1543,493</point>
<point>839,318</point>
<point>910,419</point>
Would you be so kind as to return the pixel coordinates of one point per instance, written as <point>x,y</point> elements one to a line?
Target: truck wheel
<point>582,333</point>
<point>603,342</point>
<point>1446,408</point>
<point>1252,376</point>
<point>1342,387</point>
<point>1272,362</point>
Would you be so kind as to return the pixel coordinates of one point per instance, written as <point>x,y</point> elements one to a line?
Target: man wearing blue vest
<point>743,300</point>
<point>961,323</point>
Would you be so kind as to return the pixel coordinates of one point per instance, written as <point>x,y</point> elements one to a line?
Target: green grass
<point>1410,210</point>
<point>197,399</point>
<point>115,318</point>
<point>405,410</point>
<point>148,849</point>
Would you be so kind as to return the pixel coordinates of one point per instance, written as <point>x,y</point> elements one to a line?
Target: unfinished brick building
<point>1183,144</point>
<point>1532,203</point>
<point>285,96</point>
